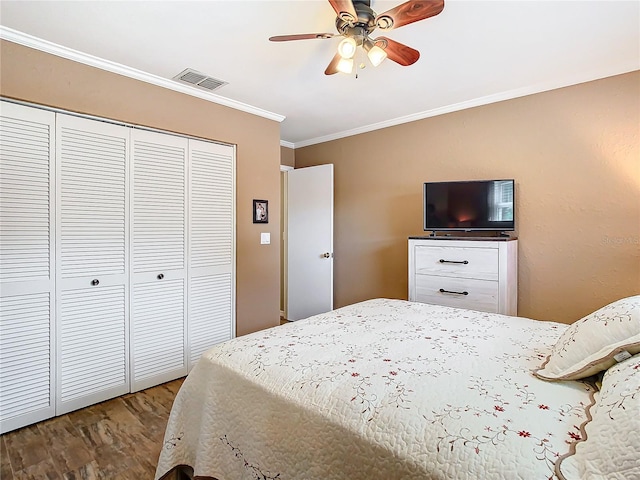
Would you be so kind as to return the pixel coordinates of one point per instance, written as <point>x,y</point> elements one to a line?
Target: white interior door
<point>211,249</point>
<point>309,241</point>
<point>158,275</point>
<point>92,260</point>
<point>26,266</point>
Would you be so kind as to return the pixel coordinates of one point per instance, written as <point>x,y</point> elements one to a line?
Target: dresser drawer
<point>480,295</point>
<point>478,263</point>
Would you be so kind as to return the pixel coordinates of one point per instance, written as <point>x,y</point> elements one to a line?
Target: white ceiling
<point>473,53</point>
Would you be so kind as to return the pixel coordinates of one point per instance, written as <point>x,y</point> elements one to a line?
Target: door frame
<point>284,227</point>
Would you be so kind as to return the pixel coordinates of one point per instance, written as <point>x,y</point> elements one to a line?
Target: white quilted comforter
<point>383,389</point>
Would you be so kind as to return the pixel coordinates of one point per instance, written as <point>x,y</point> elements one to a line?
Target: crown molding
<point>284,143</point>
<point>36,43</point>
<point>476,102</point>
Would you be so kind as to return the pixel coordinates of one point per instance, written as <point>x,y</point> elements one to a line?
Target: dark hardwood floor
<point>119,439</point>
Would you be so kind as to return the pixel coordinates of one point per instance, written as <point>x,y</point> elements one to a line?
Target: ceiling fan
<point>356,21</point>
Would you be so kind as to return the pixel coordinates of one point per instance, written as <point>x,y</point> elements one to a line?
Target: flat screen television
<point>487,205</point>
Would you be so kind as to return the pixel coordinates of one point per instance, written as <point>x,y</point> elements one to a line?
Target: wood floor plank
<point>5,465</point>
<point>137,472</point>
<point>70,454</point>
<point>44,470</point>
<point>151,420</point>
<point>90,471</point>
<point>26,447</point>
<point>67,450</point>
<point>164,394</point>
<point>112,461</point>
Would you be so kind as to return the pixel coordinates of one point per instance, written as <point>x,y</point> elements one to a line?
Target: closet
<point>117,259</point>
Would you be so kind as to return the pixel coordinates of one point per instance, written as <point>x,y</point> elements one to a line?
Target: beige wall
<point>575,155</point>
<point>287,156</point>
<point>41,78</point>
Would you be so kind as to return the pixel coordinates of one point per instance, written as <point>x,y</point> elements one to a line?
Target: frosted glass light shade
<point>345,65</point>
<point>347,48</point>
<point>376,55</point>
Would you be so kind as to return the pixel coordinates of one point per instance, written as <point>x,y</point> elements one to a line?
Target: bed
<point>389,389</point>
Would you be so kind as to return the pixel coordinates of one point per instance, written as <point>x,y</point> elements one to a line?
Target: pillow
<point>589,345</point>
<point>610,445</point>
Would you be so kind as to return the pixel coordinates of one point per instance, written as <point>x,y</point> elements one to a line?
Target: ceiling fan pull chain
<point>355,65</point>
<point>359,64</point>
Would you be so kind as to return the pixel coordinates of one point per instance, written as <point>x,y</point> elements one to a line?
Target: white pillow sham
<point>610,445</point>
<point>589,345</point>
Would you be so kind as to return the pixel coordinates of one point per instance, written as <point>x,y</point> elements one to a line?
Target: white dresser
<point>478,274</point>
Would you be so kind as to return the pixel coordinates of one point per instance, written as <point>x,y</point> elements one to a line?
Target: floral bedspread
<point>383,389</point>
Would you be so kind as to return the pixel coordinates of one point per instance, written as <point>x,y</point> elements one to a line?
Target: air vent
<point>198,79</point>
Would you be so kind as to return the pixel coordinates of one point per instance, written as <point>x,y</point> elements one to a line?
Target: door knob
<point>326,255</point>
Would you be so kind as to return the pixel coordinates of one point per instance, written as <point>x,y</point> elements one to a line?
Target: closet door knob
<point>160,276</point>
<point>95,282</point>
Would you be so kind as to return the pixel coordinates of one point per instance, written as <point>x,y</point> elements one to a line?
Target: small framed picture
<point>260,211</point>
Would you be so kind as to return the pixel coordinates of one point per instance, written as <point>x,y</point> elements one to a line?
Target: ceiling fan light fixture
<point>355,21</point>
<point>345,65</point>
<point>347,48</point>
<point>376,55</point>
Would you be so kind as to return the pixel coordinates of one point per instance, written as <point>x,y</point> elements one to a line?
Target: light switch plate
<point>265,238</point>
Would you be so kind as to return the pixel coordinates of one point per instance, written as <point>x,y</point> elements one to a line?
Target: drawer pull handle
<point>95,282</point>
<point>464,262</point>
<point>442,290</point>
<point>160,276</point>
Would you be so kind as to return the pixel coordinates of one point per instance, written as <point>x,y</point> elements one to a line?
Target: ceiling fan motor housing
<point>362,26</point>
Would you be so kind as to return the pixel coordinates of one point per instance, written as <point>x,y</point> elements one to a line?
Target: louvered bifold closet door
<point>26,266</point>
<point>211,246</point>
<point>158,306</point>
<point>92,267</point>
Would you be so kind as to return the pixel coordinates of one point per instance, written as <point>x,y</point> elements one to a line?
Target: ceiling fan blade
<point>398,52</point>
<point>302,36</point>
<point>409,12</point>
<point>333,65</point>
<point>344,9</point>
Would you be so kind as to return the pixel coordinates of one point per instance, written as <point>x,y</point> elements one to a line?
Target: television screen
<point>468,206</point>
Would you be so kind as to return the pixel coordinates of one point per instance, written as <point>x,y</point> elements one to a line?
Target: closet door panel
<point>211,246</point>
<point>26,151</point>
<point>159,354</point>
<point>26,333</point>
<point>92,345</point>
<point>159,223</point>
<point>211,201</point>
<point>26,383</point>
<point>92,273</point>
<point>210,313</point>
<point>92,199</point>
<point>158,258</point>
<point>27,247</point>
